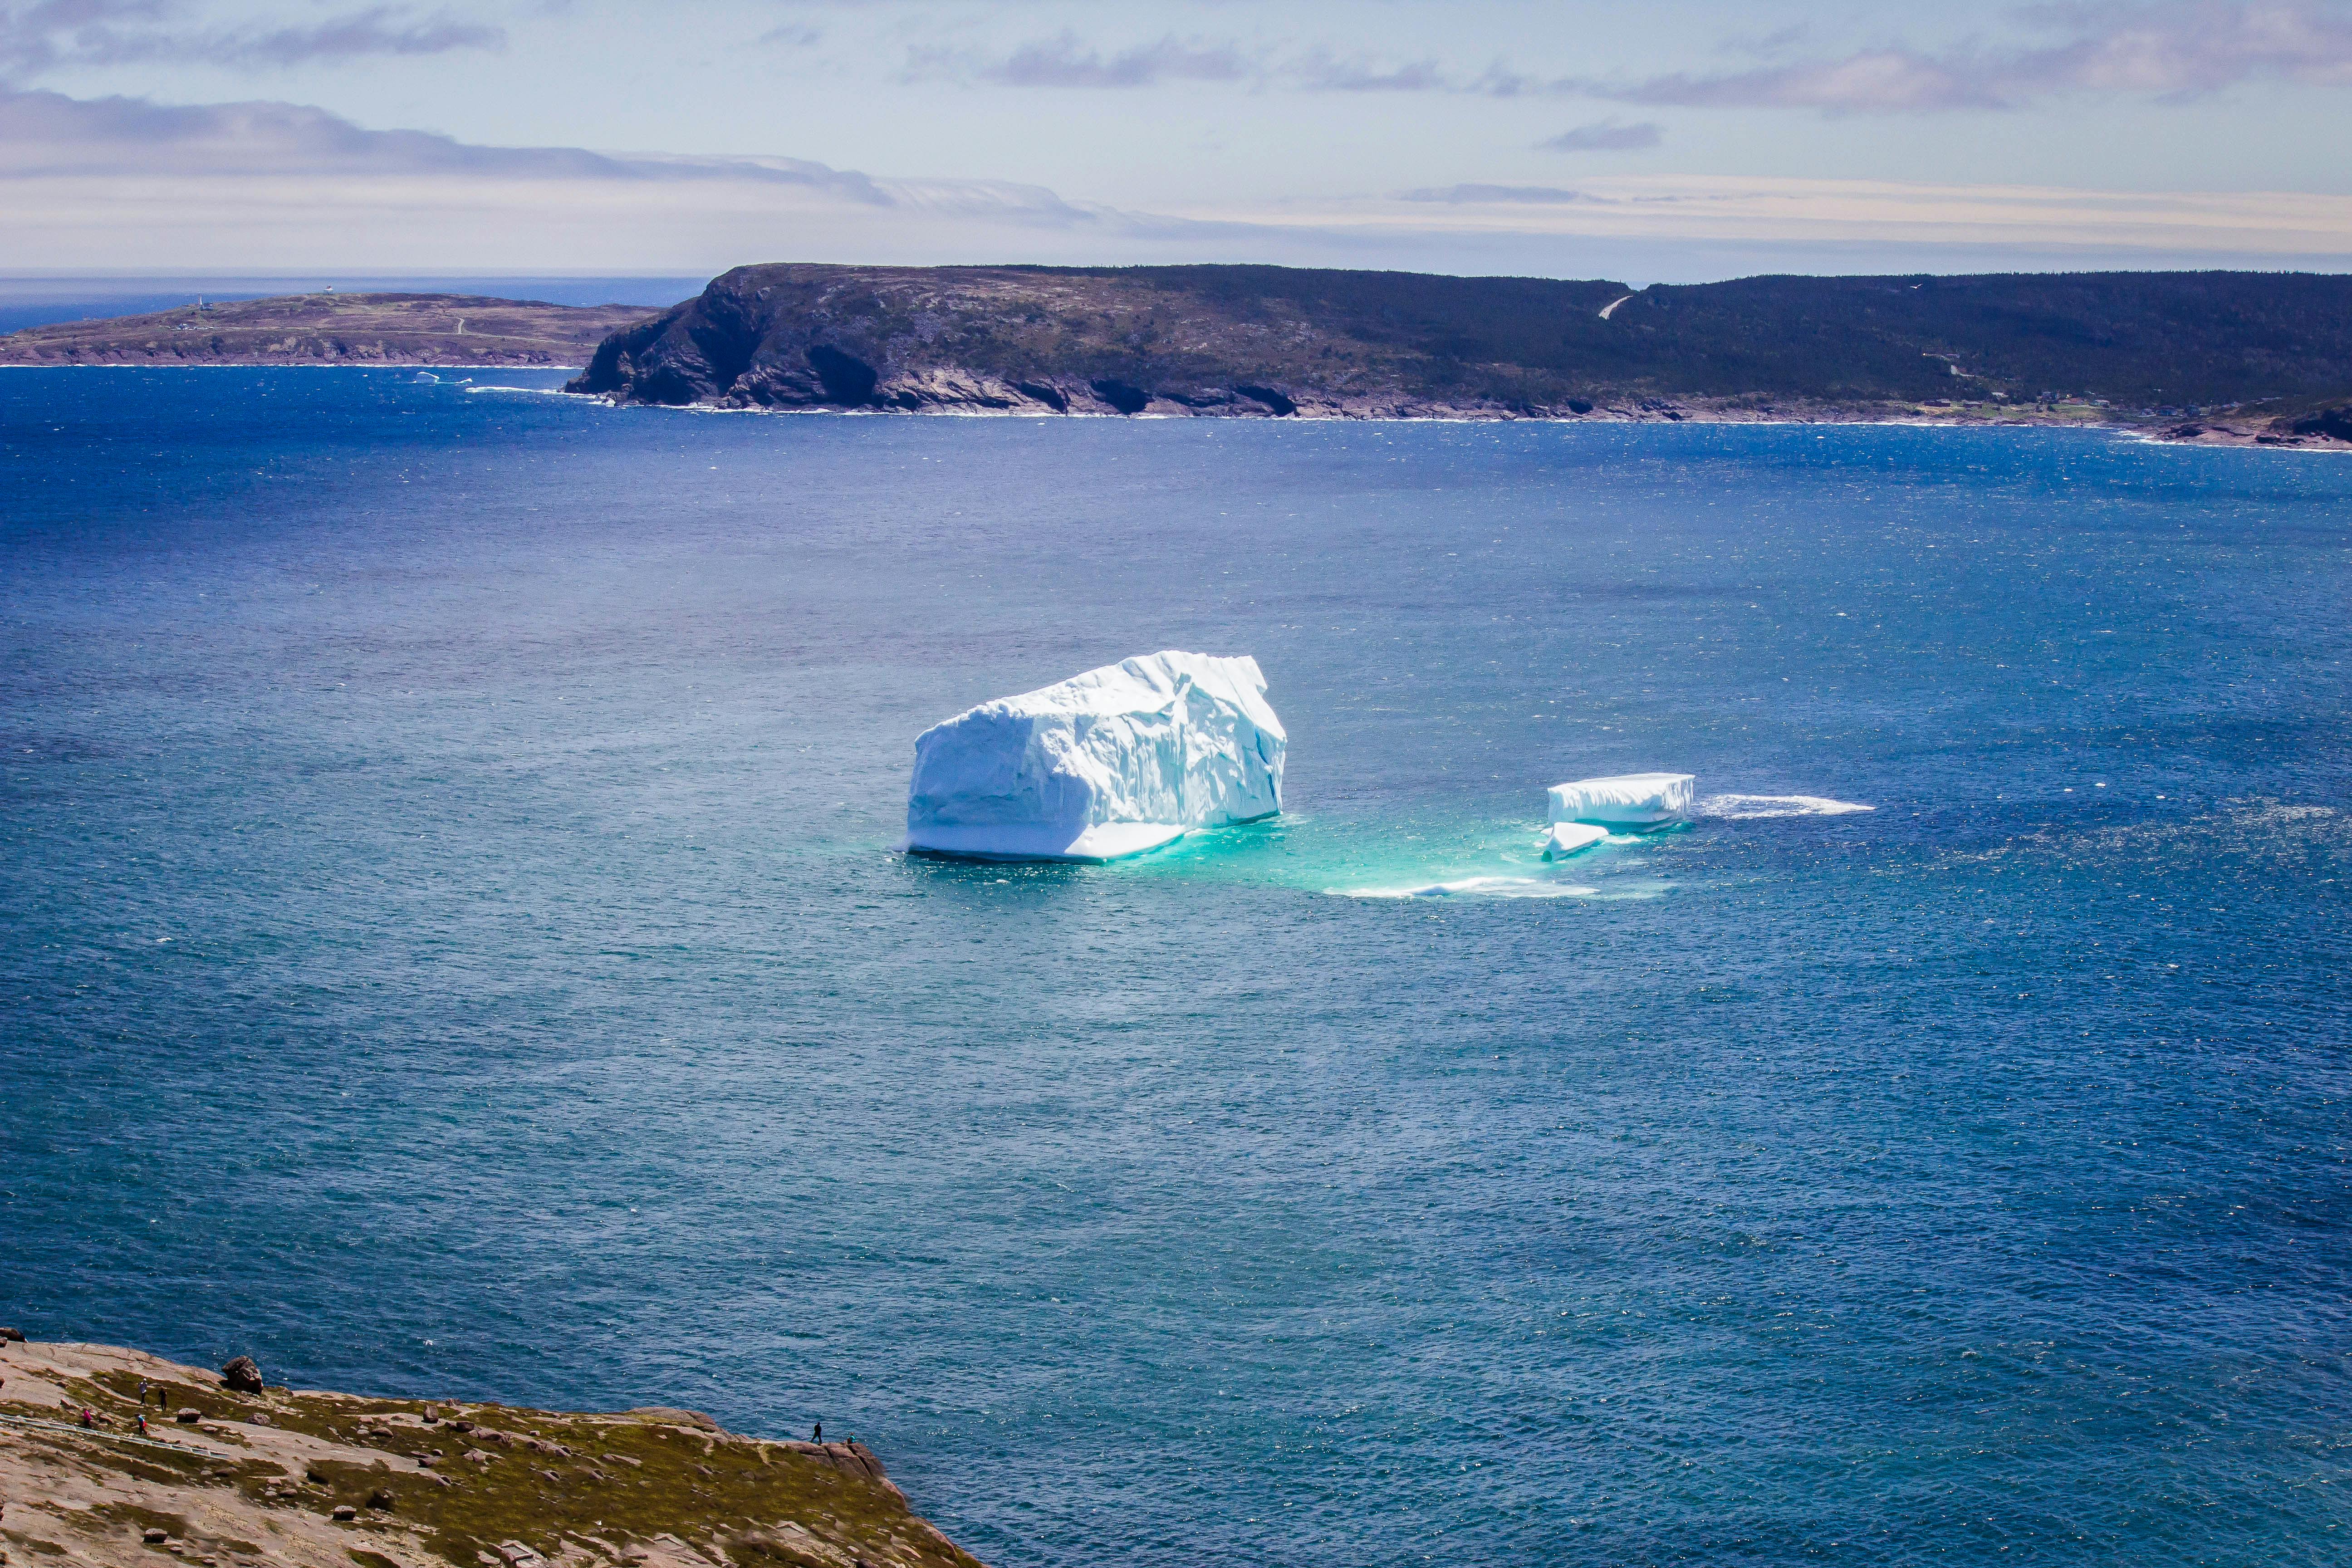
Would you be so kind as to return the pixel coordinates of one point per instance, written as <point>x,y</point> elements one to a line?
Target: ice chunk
<point>1745,807</point>
<point>1568,837</point>
<point>1631,800</point>
<point>1105,764</point>
<point>1484,886</point>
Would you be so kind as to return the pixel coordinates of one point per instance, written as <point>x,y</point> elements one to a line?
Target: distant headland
<point>2215,356</point>
<point>332,329</point>
<point>2243,358</point>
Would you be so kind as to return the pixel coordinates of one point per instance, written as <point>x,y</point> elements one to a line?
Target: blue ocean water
<point>452,945</point>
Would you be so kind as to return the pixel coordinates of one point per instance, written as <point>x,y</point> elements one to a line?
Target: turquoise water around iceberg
<point>452,946</point>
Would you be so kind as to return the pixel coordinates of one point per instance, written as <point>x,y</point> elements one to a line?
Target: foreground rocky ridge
<point>333,329</point>
<point>231,1477</point>
<point>1273,343</point>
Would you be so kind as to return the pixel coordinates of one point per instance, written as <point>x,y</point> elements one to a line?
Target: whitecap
<point>1744,807</point>
<point>1475,886</point>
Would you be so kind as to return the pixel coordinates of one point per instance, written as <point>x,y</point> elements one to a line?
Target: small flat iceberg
<point>1100,766</point>
<point>1565,838</point>
<point>1746,807</point>
<point>1631,800</point>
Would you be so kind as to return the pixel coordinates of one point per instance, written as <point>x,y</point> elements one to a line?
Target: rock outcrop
<point>308,1479</point>
<point>2324,426</point>
<point>2333,424</point>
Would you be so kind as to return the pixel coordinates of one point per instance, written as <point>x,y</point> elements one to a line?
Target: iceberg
<point>1568,837</point>
<point>1746,808</point>
<point>1485,887</point>
<point>1103,765</point>
<point>1631,800</point>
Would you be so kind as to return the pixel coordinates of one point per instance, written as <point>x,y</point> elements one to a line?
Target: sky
<point>1677,141</point>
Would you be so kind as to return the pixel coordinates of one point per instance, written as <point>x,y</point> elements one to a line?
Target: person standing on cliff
<point>816,1433</point>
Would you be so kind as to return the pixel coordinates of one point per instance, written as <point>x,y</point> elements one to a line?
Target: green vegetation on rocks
<point>1270,342</point>
<point>260,1478</point>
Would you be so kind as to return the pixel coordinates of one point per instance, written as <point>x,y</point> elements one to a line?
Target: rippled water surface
<point>452,945</point>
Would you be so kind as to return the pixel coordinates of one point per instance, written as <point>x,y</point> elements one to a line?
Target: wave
<point>1745,807</point>
<point>1475,886</point>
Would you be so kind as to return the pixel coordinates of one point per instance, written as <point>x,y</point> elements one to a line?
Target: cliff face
<point>1026,339</point>
<point>227,1478</point>
<point>1269,341</point>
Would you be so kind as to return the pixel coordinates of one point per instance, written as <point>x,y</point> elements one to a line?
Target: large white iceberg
<point>1630,800</point>
<point>1108,763</point>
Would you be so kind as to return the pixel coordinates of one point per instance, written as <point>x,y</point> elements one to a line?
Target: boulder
<point>663,1412</point>
<point>242,1375</point>
<point>12,1336</point>
<point>189,1417</point>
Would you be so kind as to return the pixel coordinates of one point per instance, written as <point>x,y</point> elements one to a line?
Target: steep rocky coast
<point>230,1472</point>
<point>2152,353</point>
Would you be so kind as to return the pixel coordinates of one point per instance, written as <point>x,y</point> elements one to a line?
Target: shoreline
<point>2150,430</point>
<point>262,1476</point>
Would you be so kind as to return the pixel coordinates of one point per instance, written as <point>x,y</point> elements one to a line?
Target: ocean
<point>453,945</point>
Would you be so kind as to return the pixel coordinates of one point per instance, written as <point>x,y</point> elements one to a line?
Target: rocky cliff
<point>230,1473</point>
<point>1271,343</point>
<point>1007,340</point>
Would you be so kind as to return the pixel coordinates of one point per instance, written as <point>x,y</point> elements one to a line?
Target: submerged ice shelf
<point>1105,764</point>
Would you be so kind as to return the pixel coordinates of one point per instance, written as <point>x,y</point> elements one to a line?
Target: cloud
<point>1966,227</point>
<point>1321,70</point>
<point>1605,136</point>
<point>1525,195</point>
<point>99,184</point>
<point>51,34</point>
<point>1064,62</point>
<point>49,135</point>
<point>1067,61</point>
<point>2170,50</point>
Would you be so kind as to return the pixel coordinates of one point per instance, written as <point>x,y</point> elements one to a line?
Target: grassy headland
<point>2148,348</point>
<point>231,1479</point>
